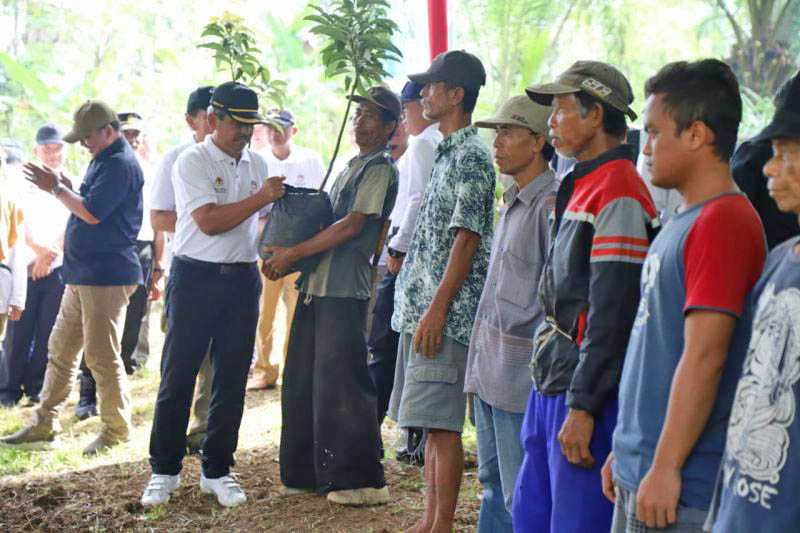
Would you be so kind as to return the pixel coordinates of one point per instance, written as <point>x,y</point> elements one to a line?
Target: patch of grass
<point>11,420</point>
<point>159,512</point>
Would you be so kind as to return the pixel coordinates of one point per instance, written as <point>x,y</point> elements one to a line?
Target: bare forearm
<point>163,220</point>
<point>458,268</point>
<point>692,395</point>
<point>213,219</point>
<point>158,248</point>
<point>74,203</point>
<point>331,237</point>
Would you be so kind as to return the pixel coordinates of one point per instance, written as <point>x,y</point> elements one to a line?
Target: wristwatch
<point>56,189</point>
<point>395,254</point>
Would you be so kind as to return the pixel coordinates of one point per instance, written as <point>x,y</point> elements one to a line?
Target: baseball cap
<point>281,117</point>
<point>411,92</point>
<point>199,99</point>
<point>456,66</point>
<point>785,123</point>
<point>239,101</point>
<point>48,134</point>
<point>520,111</point>
<point>595,78</point>
<point>382,97</point>
<point>130,120</point>
<point>91,116</point>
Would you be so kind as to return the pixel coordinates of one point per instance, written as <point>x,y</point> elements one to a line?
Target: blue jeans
<point>499,458</point>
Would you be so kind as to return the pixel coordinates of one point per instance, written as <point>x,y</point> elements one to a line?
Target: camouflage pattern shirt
<point>460,194</point>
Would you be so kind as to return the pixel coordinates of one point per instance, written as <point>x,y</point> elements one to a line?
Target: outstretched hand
<point>41,176</point>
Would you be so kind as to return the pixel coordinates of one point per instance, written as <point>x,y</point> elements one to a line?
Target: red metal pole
<point>437,26</point>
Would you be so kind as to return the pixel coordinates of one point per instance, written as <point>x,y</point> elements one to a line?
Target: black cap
<point>240,102</point>
<point>456,66</point>
<point>49,134</point>
<point>411,92</point>
<point>13,151</point>
<point>281,117</point>
<point>199,99</point>
<point>382,97</point>
<point>786,121</point>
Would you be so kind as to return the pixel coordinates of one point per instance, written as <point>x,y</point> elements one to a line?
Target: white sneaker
<point>159,488</point>
<point>228,491</point>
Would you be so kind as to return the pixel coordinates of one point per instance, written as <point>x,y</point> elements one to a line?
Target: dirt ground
<point>56,489</point>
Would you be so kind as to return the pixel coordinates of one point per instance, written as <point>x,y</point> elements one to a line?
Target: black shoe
<point>87,401</point>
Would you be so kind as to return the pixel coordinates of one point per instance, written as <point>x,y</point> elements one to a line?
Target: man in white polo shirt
<point>301,167</point>
<point>220,187</point>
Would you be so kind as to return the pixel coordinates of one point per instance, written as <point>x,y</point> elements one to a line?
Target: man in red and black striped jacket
<point>603,224</point>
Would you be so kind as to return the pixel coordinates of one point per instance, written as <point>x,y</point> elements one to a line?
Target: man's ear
<point>698,134</point>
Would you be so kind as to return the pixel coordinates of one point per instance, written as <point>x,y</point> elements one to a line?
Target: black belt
<point>221,268</point>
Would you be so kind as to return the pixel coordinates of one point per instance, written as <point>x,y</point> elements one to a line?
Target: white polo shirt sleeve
<point>193,183</point>
<point>162,194</point>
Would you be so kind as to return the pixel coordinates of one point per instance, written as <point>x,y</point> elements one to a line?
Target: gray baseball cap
<point>520,111</point>
<point>595,78</point>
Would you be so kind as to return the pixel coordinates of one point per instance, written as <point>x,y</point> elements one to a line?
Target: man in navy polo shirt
<point>690,333</point>
<point>101,271</point>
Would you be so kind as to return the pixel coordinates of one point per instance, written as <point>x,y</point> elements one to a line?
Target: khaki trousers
<point>267,367</point>
<point>90,317</point>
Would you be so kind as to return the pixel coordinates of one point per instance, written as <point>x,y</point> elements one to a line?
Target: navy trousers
<point>382,344</point>
<point>24,358</point>
<point>208,303</point>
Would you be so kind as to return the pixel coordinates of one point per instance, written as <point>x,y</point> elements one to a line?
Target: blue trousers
<point>552,495</point>
<point>24,358</point>
<point>499,458</point>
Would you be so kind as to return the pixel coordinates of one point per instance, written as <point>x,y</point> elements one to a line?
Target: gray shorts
<point>689,520</point>
<point>429,393</point>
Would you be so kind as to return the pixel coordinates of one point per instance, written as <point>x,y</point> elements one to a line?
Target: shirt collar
<point>370,156</point>
<point>456,138</point>
<point>541,183</point>
<point>113,148</point>
<point>623,151</point>
<point>220,156</point>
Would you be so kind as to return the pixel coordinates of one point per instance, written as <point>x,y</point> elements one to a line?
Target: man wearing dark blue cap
<point>414,170</point>
<point>301,167</point>
<point>25,347</point>
<point>221,186</point>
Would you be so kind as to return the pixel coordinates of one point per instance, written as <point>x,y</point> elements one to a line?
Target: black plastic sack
<point>298,216</point>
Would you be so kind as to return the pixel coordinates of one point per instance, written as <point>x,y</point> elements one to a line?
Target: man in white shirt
<point>163,217</point>
<point>24,357</point>
<point>414,169</point>
<point>220,188</point>
<point>302,168</point>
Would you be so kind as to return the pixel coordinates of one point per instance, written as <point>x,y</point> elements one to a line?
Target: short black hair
<point>115,125</point>
<point>470,99</point>
<point>613,119</point>
<point>705,91</point>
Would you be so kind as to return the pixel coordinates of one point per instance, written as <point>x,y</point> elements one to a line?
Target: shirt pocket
<point>515,282</point>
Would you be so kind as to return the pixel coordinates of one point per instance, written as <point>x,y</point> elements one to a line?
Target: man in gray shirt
<point>509,310</point>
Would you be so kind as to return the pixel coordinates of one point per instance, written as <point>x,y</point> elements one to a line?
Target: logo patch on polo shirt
<point>219,185</point>
<point>253,187</point>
